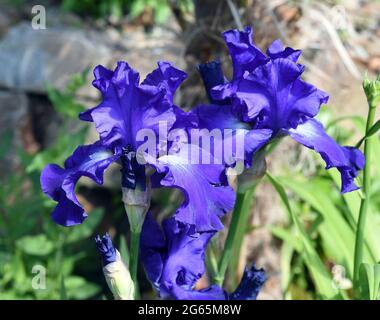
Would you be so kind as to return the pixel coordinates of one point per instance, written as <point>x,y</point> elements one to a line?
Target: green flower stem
<point>237,225</point>
<point>134,254</point>
<point>359,242</point>
<point>212,262</point>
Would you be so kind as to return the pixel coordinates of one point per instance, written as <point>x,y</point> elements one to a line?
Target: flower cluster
<point>266,99</point>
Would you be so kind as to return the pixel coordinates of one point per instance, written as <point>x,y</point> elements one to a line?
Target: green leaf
<point>353,199</point>
<point>64,103</point>
<point>38,245</point>
<point>137,8</point>
<point>338,236</point>
<point>357,120</point>
<point>287,271</point>
<point>65,145</point>
<point>79,288</point>
<point>321,276</point>
<point>162,13</point>
<point>375,128</point>
<point>62,293</point>
<point>85,230</point>
<point>286,236</point>
<point>369,277</point>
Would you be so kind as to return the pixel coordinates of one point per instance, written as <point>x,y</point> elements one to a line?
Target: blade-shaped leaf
<point>321,276</point>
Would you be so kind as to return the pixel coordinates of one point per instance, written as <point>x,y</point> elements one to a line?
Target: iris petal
<point>59,183</point>
<point>203,185</point>
<point>245,55</point>
<point>347,160</point>
<point>173,258</point>
<point>128,106</point>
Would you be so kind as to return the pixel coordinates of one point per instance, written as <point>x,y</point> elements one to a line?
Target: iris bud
<point>372,91</point>
<point>115,271</point>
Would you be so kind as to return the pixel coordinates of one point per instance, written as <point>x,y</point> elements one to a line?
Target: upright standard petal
<point>347,160</point>
<point>275,97</point>
<point>244,54</point>
<point>166,77</point>
<point>128,106</point>
<point>277,50</point>
<point>59,183</point>
<point>212,75</point>
<point>203,183</point>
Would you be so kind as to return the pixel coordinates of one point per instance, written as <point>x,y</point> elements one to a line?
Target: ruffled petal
<point>274,96</point>
<point>186,247</point>
<point>277,50</point>
<point>347,160</point>
<point>244,54</point>
<point>166,77</point>
<point>128,106</point>
<point>173,258</point>
<point>234,134</point>
<point>59,183</point>
<point>203,185</point>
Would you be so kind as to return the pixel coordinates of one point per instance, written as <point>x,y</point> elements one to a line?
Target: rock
<point>14,117</point>
<point>30,58</point>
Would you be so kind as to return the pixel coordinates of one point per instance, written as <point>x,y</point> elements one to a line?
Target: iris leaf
<point>321,276</point>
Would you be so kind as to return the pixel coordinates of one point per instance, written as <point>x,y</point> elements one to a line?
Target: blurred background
<point>47,53</point>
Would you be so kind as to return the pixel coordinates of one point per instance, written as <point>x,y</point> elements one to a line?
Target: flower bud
<point>372,91</point>
<point>115,271</point>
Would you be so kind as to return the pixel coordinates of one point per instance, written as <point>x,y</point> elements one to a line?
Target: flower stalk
<point>136,204</point>
<point>372,91</point>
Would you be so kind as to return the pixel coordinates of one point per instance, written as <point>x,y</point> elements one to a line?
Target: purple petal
<point>277,50</point>
<point>245,55</point>
<point>213,292</point>
<point>250,285</point>
<point>201,184</point>
<point>233,132</point>
<point>128,107</point>
<point>59,183</point>
<point>166,77</point>
<point>212,76</point>
<point>106,249</point>
<point>347,160</point>
<point>152,248</point>
<point>186,251</point>
<point>173,258</point>
<point>274,96</point>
